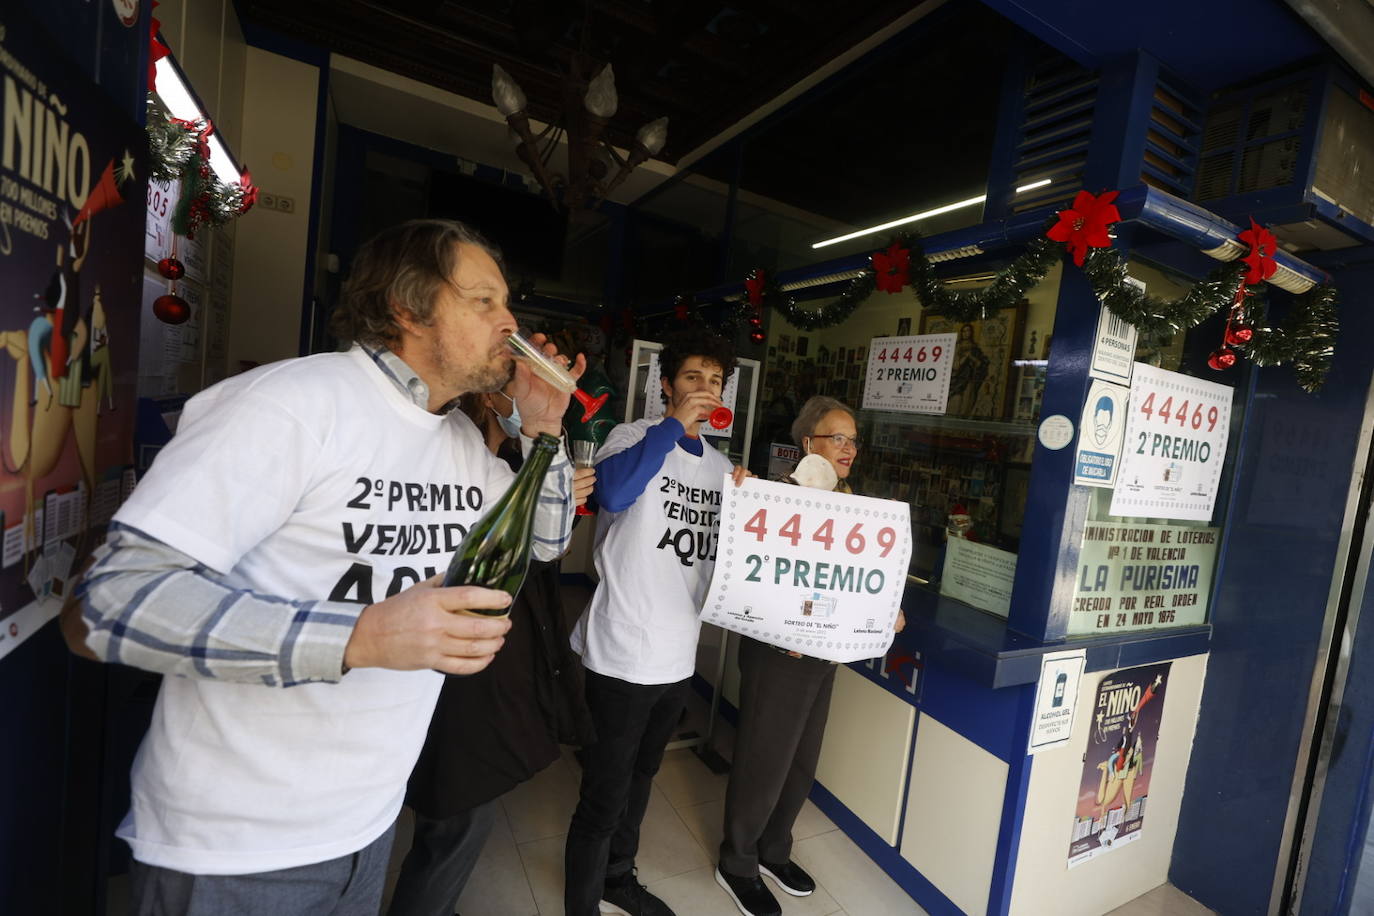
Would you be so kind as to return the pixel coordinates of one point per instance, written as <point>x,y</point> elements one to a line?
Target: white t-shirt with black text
<point>655,561</point>
<point>308,479</point>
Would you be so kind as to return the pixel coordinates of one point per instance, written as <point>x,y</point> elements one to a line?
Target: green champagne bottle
<point>496,552</point>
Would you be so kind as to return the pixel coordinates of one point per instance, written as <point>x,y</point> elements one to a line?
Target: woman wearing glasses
<point>784,701</point>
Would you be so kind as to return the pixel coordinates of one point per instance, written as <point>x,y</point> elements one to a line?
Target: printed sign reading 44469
<point>791,530</point>
<point>1166,413</point>
<point>909,354</point>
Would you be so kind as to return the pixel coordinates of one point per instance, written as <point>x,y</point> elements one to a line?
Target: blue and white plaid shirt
<point>149,605</point>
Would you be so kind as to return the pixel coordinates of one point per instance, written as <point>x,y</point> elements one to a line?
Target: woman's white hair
<point>811,413</point>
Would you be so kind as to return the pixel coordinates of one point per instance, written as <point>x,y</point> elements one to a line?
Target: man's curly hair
<point>696,341</point>
<point>401,268</point>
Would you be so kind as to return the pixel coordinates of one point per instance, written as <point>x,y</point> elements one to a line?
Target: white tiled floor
<point>1165,900</point>
<point>521,869</point>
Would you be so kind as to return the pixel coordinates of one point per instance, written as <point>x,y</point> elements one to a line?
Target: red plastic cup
<point>721,417</point>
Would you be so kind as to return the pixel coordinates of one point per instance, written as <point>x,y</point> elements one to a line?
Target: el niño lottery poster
<point>1123,738</point>
<point>72,200</point>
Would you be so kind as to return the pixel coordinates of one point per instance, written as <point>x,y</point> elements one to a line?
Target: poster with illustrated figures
<point>72,189</point>
<point>1123,737</point>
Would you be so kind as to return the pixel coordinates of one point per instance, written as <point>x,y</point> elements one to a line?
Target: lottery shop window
<point>968,467</point>
<point>1150,543</point>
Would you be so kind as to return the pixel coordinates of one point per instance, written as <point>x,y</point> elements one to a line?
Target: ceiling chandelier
<point>595,168</point>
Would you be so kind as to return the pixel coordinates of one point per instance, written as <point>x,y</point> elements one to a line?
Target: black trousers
<point>784,703</point>
<point>442,855</point>
<point>633,724</point>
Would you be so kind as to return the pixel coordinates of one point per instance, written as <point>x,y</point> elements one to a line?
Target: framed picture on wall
<point>903,326</point>
<point>979,381</point>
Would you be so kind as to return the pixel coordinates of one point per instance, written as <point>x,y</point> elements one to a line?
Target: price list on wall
<point>909,373</point>
<point>1176,436</point>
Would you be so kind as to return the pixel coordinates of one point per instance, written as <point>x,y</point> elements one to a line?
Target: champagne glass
<point>584,456</point>
<point>544,367</point>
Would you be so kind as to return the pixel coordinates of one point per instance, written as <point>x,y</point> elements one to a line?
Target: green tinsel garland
<point>1007,288</point>
<point>829,313</point>
<point>1154,318</point>
<point>174,156</point>
<point>1305,341</point>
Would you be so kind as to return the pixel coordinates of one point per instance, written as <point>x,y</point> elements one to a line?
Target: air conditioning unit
<point>1295,152</point>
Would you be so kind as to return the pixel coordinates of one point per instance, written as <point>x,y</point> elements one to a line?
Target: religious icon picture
<point>979,382</point>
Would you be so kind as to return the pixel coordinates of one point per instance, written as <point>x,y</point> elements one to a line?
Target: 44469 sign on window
<point>811,571</point>
<point>909,373</point>
<point>1176,436</point>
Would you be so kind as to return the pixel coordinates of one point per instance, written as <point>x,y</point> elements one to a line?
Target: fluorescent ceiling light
<point>925,214</point>
<point>176,97</point>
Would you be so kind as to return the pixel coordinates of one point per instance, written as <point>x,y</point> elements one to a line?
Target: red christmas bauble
<point>171,268</point>
<point>171,308</point>
<point>1221,359</point>
<point>756,336</point>
<point>1239,334</point>
<point>755,321</point>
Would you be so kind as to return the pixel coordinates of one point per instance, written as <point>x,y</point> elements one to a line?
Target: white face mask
<point>509,425</point>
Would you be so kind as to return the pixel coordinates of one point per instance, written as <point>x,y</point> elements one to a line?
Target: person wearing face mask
<point>784,700</point>
<point>495,729</point>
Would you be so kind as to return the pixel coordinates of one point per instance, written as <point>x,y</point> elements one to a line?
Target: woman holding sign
<point>784,700</point>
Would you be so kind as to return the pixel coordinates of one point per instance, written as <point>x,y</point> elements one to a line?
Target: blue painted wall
<point>1283,530</point>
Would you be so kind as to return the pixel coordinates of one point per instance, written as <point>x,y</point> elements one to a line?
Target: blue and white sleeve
<point>148,605</point>
<point>621,477</point>
<point>553,517</point>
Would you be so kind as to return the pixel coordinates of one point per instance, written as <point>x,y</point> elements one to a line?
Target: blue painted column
<point>1052,529</point>
<point>1267,624</point>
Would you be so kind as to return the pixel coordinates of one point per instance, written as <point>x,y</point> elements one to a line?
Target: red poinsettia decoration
<point>753,284</point>
<point>892,268</point>
<point>1084,225</point>
<point>250,192</point>
<point>1261,257</point>
<point>156,49</point>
